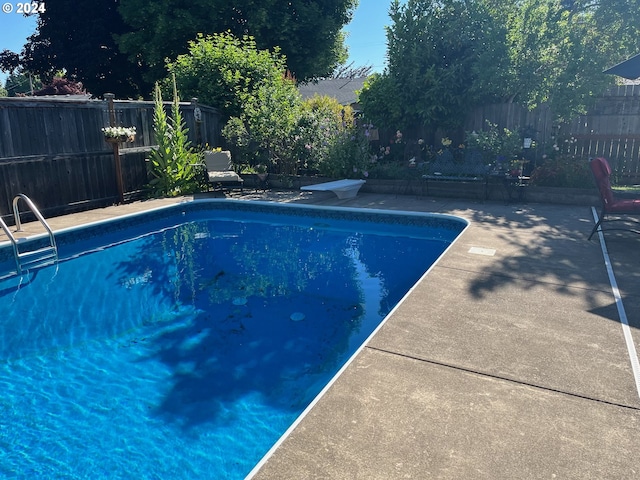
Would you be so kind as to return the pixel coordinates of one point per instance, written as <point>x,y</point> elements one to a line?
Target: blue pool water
<point>183,343</point>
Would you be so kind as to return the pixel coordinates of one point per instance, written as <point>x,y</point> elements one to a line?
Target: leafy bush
<point>348,155</point>
<point>222,70</point>
<point>562,171</point>
<point>394,150</point>
<point>249,86</point>
<point>266,130</point>
<point>268,124</point>
<point>495,145</point>
<point>322,119</point>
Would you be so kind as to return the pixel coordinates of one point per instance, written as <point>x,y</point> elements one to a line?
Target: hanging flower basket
<point>119,134</point>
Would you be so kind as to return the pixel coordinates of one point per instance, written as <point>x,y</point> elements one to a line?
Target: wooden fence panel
<point>53,150</point>
<point>514,117</point>
<point>611,129</point>
<point>33,126</point>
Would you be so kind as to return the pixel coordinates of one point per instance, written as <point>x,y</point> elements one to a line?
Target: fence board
<point>54,151</point>
<point>611,129</point>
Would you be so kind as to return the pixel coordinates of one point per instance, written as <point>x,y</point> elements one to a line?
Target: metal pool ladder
<point>30,259</point>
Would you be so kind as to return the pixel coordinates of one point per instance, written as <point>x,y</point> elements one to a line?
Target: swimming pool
<point>184,342</point>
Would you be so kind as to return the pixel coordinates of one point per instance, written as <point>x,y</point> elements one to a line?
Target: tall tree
<point>79,41</point>
<point>20,83</point>
<point>558,50</point>
<point>121,46</point>
<point>447,56</point>
<point>616,22</point>
<point>309,33</point>
<point>435,52</point>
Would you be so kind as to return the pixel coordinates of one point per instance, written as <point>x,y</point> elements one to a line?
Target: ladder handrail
<point>36,212</point>
<point>7,231</point>
<point>34,209</point>
<point>14,242</point>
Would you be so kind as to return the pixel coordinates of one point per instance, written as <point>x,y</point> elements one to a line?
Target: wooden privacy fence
<point>53,150</point>
<point>610,129</point>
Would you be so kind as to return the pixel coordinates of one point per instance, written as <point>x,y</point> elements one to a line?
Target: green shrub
<point>251,88</point>
<point>322,119</point>
<point>266,131</point>
<point>495,145</point>
<point>562,171</point>
<point>172,162</point>
<point>348,155</point>
<point>221,70</point>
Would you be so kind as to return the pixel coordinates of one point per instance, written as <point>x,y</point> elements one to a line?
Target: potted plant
<point>119,134</point>
<point>261,172</point>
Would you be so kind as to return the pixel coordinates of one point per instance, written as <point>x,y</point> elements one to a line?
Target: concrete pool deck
<point>507,361</point>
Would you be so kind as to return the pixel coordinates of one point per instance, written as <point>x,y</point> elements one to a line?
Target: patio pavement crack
<point>503,378</point>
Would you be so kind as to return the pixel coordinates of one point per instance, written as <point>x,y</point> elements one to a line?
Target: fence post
<point>197,113</point>
<point>116,146</point>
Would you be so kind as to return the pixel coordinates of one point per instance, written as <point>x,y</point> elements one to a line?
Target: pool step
<point>38,258</point>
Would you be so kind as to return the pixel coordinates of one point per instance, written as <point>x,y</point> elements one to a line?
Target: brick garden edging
<point>415,186</point>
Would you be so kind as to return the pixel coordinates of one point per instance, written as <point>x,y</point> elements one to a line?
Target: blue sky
<point>14,30</point>
<point>366,40</point>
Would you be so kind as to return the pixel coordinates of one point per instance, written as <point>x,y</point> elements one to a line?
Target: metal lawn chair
<point>219,172</point>
<point>613,209</point>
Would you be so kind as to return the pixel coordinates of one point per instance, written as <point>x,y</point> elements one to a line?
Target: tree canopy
<point>80,42</point>
<point>121,46</point>
<point>225,71</point>
<point>448,56</point>
<point>435,50</point>
<point>308,33</point>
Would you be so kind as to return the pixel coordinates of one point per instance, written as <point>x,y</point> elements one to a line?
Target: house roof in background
<point>342,89</point>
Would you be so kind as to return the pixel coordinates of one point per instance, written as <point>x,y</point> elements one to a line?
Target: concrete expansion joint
<point>503,378</point>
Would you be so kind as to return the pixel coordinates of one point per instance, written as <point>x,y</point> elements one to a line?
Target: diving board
<point>342,188</point>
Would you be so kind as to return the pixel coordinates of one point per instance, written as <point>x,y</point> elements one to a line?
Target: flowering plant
<point>119,132</point>
<point>449,152</point>
<point>394,151</point>
<point>562,171</point>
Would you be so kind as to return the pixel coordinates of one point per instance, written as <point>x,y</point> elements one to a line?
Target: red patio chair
<point>611,206</point>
